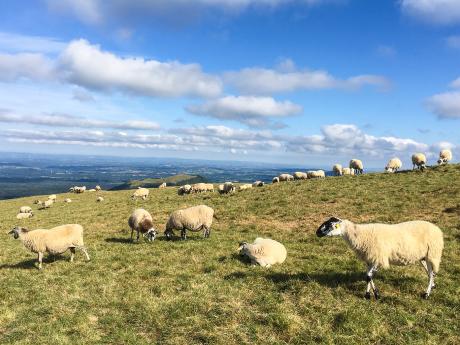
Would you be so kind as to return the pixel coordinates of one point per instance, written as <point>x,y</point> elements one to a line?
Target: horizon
<point>286,82</point>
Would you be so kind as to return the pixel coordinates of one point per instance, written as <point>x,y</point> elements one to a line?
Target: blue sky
<point>285,81</point>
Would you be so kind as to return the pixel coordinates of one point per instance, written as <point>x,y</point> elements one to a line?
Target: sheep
<point>209,187</point>
<point>67,200</point>
<point>46,204</point>
<point>163,185</point>
<point>54,241</point>
<point>276,179</point>
<point>393,165</point>
<point>380,245</point>
<point>357,165</point>
<point>142,193</point>
<point>419,161</point>
<point>52,197</point>
<point>286,177</point>
<point>77,190</point>
<point>185,189</point>
<point>37,202</point>
<point>25,209</point>
<point>445,156</point>
<point>316,174</point>
<point>25,215</point>
<point>300,175</point>
<point>194,218</point>
<point>99,199</point>
<point>258,184</point>
<point>244,186</point>
<point>92,190</point>
<point>264,251</point>
<point>348,171</point>
<point>226,188</point>
<point>220,189</point>
<point>141,221</point>
<point>98,188</point>
<point>337,169</point>
<point>202,187</point>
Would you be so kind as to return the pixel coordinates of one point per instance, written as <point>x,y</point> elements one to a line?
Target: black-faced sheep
<point>357,166</point>
<point>185,189</point>
<point>142,222</point>
<point>258,184</point>
<point>445,156</point>
<point>194,218</point>
<point>393,165</point>
<point>419,161</point>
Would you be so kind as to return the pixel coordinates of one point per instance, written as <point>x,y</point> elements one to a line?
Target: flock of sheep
<point>378,245</point>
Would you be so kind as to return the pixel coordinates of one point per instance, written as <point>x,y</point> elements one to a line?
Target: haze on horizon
<point>281,81</point>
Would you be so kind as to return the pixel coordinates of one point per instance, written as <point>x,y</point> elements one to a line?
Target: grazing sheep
<point>92,190</point>
<point>52,197</point>
<point>300,175</point>
<point>419,161</point>
<point>163,185</point>
<point>220,189</point>
<point>98,188</point>
<point>46,204</point>
<point>276,179</point>
<point>77,190</point>
<point>194,218</point>
<point>393,165</point>
<point>244,186</point>
<point>337,169</point>
<point>54,241</point>
<point>264,251</point>
<point>37,202</point>
<point>286,177</point>
<point>202,187</point>
<point>185,189</point>
<point>357,165</point>
<point>99,199</point>
<point>25,209</point>
<point>142,193</point>
<point>380,245</point>
<point>67,200</point>
<point>24,215</point>
<point>316,174</point>
<point>141,221</point>
<point>226,188</point>
<point>445,156</point>
<point>348,171</point>
<point>258,184</point>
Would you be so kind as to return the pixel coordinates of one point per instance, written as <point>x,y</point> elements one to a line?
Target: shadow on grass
<point>119,240</point>
<point>33,263</point>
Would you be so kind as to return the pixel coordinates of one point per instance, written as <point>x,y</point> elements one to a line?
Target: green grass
<point>199,292</point>
<point>175,180</point>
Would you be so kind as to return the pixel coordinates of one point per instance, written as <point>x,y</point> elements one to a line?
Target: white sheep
<point>298,175</point>
<point>357,166</point>
<point>258,184</point>
<point>380,245</point>
<point>276,179</point>
<point>77,189</point>
<point>92,190</point>
<point>185,189</point>
<point>244,186</point>
<point>140,192</point>
<point>316,174</point>
<point>348,171</point>
<point>226,188</point>
<point>202,187</point>
<point>286,177</point>
<point>46,204</point>
<point>97,188</point>
<point>445,156</point>
<point>163,185</point>
<point>25,215</point>
<point>194,218</point>
<point>25,209</point>
<point>264,251</point>
<point>337,169</point>
<point>141,221</point>
<point>393,165</point>
<point>52,197</point>
<point>419,161</point>
<point>54,241</point>
<point>99,199</point>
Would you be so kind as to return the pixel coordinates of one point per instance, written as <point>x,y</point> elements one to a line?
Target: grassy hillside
<point>176,180</point>
<point>200,292</point>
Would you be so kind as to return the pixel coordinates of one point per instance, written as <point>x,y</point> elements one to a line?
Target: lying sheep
<point>276,179</point>
<point>67,200</point>
<point>46,204</point>
<point>348,171</point>
<point>141,221</point>
<point>419,161</point>
<point>244,186</point>
<point>25,215</point>
<point>25,209</point>
<point>54,241</point>
<point>185,189</point>
<point>142,193</point>
<point>337,169</point>
<point>52,197</point>
<point>258,184</point>
<point>163,185</point>
<point>445,156</point>
<point>357,166</point>
<point>99,199</point>
<point>393,165</point>
<point>300,175</point>
<point>92,190</point>
<point>316,174</point>
<point>194,218</point>
<point>264,251</point>
<point>380,245</point>
<point>285,177</point>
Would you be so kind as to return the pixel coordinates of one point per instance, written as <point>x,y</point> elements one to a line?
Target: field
<point>200,292</point>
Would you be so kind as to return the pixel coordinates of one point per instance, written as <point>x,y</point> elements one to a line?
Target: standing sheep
<point>276,179</point>
<point>142,193</point>
<point>52,197</point>
<point>264,251</point>
<point>46,204</point>
<point>337,169</point>
<point>25,209</point>
<point>141,221</point>
<point>316,174</point>
<point>185,189</point>
<point>445,156</point>
<point>348,171</point>
<point>357,165</point>
<point>226,188</point>
<point>54,241</point>
<point>244,186</point>
<point>393,165</point>
<point>380,245</point>
<point>98,188</point>
<point>194,218</point>
<point>285,177</point>
<point>300,175</point>
<point>419,161</point>
<point>163,185</point>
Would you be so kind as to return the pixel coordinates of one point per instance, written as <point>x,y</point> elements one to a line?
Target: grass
<point>200,292</point>
<point>175,180</point>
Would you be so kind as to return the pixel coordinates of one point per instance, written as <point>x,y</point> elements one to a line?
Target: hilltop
<point>176,180</point>
<point>200,292</point>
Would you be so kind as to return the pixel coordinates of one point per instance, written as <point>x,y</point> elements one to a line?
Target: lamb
<point>244,186</point>
<point>163,185</point>
<point>258,184</point>
<point>286,177</point>
<point>142,193</point>
<point>99,199</point>
<point>25,209</point>
<point>67,200</point>
<point>54,241</point>
<point>419,161</point>
<point>445,156</point>
<point>52,197</point>
<point>276,179</point>
<point>337,169</point>
<point>348,171</point>
<point>264,251</point>
<point>300,175</point>
<point>380,245</point>
<point>194,218</point>
<point>393,165</point>
<point>46,204</point>
<point>141,221</point>
<point>185,189</point>
<point>24,215</point>
<point>357,165</point>
<point>316,174</point>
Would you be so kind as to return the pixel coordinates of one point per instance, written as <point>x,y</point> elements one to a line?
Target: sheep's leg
<point>431,275</point>
<point>207,231</point>
<point>40,259</point>
<point>370,283</point>
<point>132,233</point>
<point>72,253</point>
<point>137,238</point>
<point>83,249</point>
<point>423,262</point>
<point>183,234</point>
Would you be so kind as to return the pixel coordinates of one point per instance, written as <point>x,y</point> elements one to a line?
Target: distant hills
<point>175,180</point>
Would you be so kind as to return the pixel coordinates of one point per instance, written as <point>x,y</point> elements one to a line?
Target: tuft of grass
<point>200,292</point>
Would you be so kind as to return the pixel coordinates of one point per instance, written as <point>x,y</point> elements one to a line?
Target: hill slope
<point>198,291</point>
<point>176,180</point>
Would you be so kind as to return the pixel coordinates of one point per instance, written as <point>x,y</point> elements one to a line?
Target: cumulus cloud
<point>435,11</point>
<point>65,120</point>
<point>445,105</point>
<point>258,80</point>
<point>250,110</point>
<point>25,66</point>
<point>455,84</point>
<point>12,42</point>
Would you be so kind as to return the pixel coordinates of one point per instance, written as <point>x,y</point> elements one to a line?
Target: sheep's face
<point>169,234</point>
<point>15,232</point>
<point>151,234</point>
<point>242,249</point>
<point>331,227</point>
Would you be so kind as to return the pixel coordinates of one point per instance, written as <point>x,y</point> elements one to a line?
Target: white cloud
<point>453,42</point>
<point>250,110</point>
<point>445,105</point>
<point>12,42</point>
<point>88,66</point>
<point>435,11</point>
<point>455,84</point>
<point>25,65</point>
